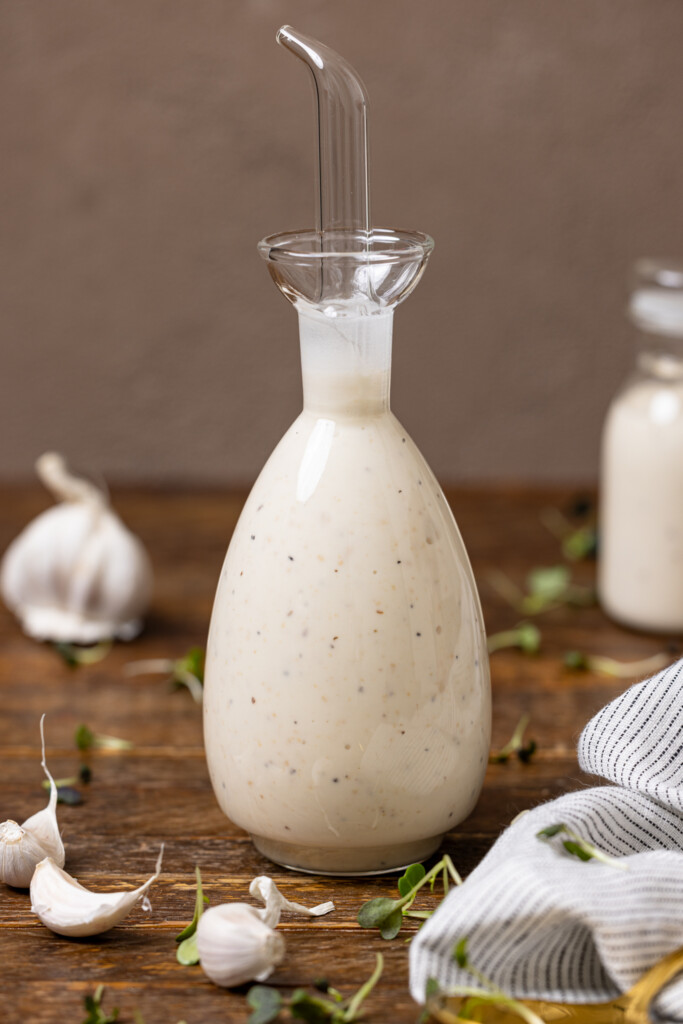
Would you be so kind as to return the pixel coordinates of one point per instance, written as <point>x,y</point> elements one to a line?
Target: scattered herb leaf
<point>86,739</point>
<point>525,635</point>
<point>579,847</point>
<point>515,745</point>
<point>488,995</point>
<point>85,774</point>
<point>387,914</point>
<point>187,952</point>
<point>578,542</point>
<point>73,655</point>
<point>265,1002</point>
<point>186,671</point>
<point>317,1010</point>
<point>577,661</point>
<point>96,1014</point>
<point>547,587</point>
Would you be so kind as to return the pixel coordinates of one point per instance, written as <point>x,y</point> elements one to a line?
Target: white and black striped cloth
<point>543,924</point>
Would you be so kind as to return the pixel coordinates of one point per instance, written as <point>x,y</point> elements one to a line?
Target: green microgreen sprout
<point>525,635</point>
<point>73,655</point>
<point>579,847</point>
<point>187,952</point>
<point>488,995</point>
<point>66,794</point>
<point>186,671</point>
<point>515,745</point>
<point>387,914</point>
<point>578,661</point>
<point>86,739</point>
<point>578,542</point>
<point>267,1003</point>
<point>96,1015</point>
<point>547,587</point>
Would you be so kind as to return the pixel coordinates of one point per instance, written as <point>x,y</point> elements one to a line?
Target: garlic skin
<point>76,574</point>
<point>22,847</point>
<point>264,888</point>
<point>236,946</point>
<point>67,908</point>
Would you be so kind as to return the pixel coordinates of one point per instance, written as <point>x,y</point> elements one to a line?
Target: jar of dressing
<point>640,577</point>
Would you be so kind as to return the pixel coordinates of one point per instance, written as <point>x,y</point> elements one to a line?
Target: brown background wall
<point>146,145</point>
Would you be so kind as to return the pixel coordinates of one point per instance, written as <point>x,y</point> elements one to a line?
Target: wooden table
<point>160,792</point>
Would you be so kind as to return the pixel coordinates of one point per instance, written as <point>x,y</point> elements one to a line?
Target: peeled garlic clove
<point>22,847</point>
<point>235,945</point>
<point>264,888</point>
<point>66,907</point>
<point>76,574</point>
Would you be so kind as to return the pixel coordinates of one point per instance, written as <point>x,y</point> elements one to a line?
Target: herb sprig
<point>515,745</point>
<point>547,587</point>
<point>93,1005</point>
<point>578,542</point>
<point>66,793</point>
<point>186,671</point>
<point>387,914</point>
<point>488,995</point>
<point>579,847</point>
<point>187,952</point>
<point>267,1003</point>
<point>86,739</point>
<point>74,655</point>
<point>525,635</point>
<point>577,661</point>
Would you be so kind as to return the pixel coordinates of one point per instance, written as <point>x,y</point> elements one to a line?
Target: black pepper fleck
<point>253,700</point>
<point>253,536</point>
<point>335,780</point>
<point>290,557</point>
<point>418,634</point>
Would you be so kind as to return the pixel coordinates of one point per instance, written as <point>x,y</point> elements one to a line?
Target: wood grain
<point>160,792</point>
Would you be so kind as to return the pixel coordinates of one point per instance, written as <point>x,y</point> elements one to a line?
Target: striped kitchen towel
<point>545,925</point>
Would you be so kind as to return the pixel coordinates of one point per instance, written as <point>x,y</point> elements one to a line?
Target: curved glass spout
<point>343,193</point>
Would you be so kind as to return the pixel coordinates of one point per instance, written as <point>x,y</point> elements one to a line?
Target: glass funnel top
<point>347,272</point>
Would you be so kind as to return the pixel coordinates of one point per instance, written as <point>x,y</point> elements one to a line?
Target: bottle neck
<point>346,363</point>
<point>660,356</point>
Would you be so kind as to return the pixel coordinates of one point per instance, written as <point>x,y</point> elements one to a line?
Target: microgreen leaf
<point>86,739</point>
<point>93,1005</point>
<point>391,926</point>
<point>526,636</point>
<point>577,661</point>
<point>579,847</point>
<point>413,874</point>
<point>313,1009</point>
<point>186,671</point>
<point>515,745</point>
<point>460,953</point>
<point>375,912</point>
<point>187,952</point>
<point>73,655</point>
<point>68,795</point>
<point>266,1003</point>
<point>488,995</point>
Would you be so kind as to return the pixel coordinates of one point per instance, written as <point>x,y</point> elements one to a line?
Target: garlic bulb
<point>75,573</point>
<point>22,847</point>
<point>66,907</point>
<point>236,946</point>
<point>237,943</point>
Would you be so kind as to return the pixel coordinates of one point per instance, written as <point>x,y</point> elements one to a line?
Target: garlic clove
<point>19,854</point>
<point>235,945</point>
<point>22,847</point>
<point>264,888</point>
<point>68,908</point>
<point>76,574</point>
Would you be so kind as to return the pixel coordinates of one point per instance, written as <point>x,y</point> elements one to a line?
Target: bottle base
<point>337,862</point>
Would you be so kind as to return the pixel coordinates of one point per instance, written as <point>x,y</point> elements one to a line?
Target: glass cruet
<point>347,696</point>
<point>640,573</point>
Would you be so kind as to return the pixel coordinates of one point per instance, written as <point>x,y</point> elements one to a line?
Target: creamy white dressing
<point>347,702</point>
<point>641,530</point>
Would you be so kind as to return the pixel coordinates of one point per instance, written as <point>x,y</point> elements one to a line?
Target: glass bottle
<point>640,575</point>
<point>347,698</point>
